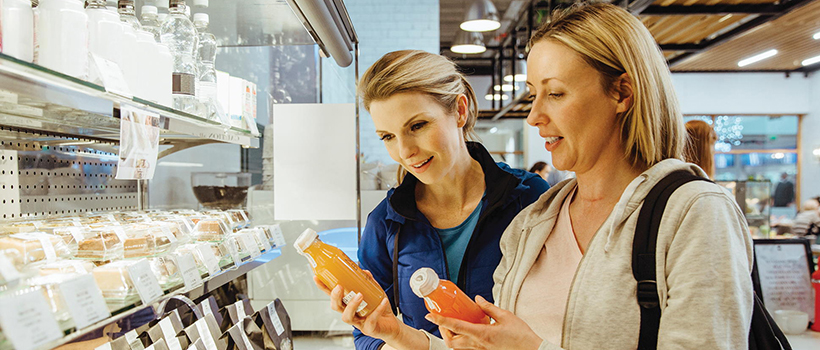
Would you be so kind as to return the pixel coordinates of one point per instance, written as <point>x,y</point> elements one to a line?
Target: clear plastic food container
<point>72,235</point>
<point>191,249</point>
<point>180,226</point>
<point>165,268</point>
<point>36,246</point>
<point>17,227</point>
<point>209,229</point>
<point>236,249</point>
<point>102,244</point>
<point>145,240</point>
<point>11,268</point>
<point>79,267</point>
<point>240,217</point>
<point>50,287</point>
<point>115,282</point>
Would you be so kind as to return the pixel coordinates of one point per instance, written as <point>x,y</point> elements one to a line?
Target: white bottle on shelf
<point>128,14</point>
<point>62,37</point>
<point>18,29</point>
<point>104,33</point>
<point>149,60</point>
<point>179,34</point>
<point>130,63</point>
<point>150,21</point>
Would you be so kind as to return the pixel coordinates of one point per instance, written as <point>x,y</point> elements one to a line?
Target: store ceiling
<point>695,35</point>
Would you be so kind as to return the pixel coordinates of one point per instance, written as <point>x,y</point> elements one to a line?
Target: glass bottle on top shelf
<point>150,21</point>
<point>128,14</point>
<point>206,58</point>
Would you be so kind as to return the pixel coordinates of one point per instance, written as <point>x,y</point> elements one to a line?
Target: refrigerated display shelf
<point>211,283</point>
<point>36,98</point>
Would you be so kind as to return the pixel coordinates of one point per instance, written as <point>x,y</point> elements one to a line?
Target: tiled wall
<point>382,26</point>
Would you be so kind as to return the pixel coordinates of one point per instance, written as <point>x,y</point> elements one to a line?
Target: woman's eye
<point>556,94</point>
<point>386,137</point>
<point>417,126</point>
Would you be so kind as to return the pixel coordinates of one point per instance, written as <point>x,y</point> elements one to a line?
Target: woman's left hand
<point>508,331</point>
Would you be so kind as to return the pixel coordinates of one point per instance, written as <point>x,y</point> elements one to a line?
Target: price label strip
<point>190,272</point>
<point>208,258</point>
<point>274,317</point>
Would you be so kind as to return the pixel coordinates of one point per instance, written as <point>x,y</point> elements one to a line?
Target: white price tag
<point>262,238</point>
<point>240,309</point>
<point>7,270</point>
<point>27,320</point>
<point>249,243</point>
<point>231,244</point>
<point>208,258</point>
<point>190,272</point>
<point>274,317</point>
<point>205,334</point>
<point>111,76</point>
<point>120,232</point>
<point>84,300</point>
<point>106,346</point>
<point>133,341</point>
<point>48,247</point>
<point>145,281</point>
<point>206,308</point>
<point>278,235</point>
<point>169,334</point>
<point>167,232</point>
<point>77,233</point>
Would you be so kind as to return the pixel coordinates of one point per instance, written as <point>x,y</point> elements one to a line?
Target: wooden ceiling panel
<point>791,35</point>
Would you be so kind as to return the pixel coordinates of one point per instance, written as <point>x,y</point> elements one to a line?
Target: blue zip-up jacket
<point>508,191</point>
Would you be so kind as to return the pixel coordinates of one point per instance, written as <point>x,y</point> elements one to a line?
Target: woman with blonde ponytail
<point>451,205</point>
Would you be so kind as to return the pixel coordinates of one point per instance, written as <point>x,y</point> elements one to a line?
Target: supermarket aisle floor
<point>322,341</point>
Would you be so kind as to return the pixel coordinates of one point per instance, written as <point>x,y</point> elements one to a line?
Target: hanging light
<point>495,95</point>
<point>506,87</point>
<point>481,17</point>
<point>520,72</point>
<point>468,43</point>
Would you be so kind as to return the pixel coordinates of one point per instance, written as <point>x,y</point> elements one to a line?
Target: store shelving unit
<point>211,283</point>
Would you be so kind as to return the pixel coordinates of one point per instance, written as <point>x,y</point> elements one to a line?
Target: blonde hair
<point>423,72</point>
<point>614,42</point>
<point>700,145</point>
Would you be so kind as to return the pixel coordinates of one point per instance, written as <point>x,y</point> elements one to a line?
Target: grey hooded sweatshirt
<point>703,260</point>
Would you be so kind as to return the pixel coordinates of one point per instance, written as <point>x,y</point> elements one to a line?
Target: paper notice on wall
<point>139,143</point>
<point>785,281</point>
<point>306,135</point>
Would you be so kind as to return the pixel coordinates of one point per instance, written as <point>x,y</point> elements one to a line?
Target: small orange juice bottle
<point>445,298</point>
<point>334,267</point>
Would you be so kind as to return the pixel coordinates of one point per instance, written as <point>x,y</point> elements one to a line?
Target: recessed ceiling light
<point>810,61</point>
<point>816,36</point>
<point>747,61</point>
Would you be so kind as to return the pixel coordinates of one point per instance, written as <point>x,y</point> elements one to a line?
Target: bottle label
<point>350,295</point>
<point>184,84</point>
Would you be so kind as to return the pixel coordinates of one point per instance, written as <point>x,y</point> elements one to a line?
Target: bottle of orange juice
<point>445,298</point>
<point>334,267</point>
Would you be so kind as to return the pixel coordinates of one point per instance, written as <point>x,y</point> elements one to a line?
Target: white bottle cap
<point>201,17</point>
<point>201,3</point>
<point>305,240</point>
<point>424,281</point>
<point>149,10</point>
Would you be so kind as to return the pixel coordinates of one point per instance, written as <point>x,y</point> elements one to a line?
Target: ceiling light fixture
<point>747,61</point>
<point>497,97</point>
<point>520,72</point>
<point>505,87</point>
<point>816,36</point>
<point>468,43</point>
<point>481,17</point>
<point>810,61</point>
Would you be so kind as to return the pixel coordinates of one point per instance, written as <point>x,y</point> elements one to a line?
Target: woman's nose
<point>407,147</point>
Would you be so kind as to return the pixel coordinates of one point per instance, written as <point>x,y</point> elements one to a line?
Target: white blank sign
<point>314,161</point>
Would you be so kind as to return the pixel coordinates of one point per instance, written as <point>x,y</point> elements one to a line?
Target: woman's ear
<point>462,109</point>
<point>625,93</point>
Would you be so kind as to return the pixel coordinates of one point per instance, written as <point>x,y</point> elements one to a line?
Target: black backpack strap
<point>643,253</point>
<point>396,273</point>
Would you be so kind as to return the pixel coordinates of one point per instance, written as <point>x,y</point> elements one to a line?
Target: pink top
<point>542,300</point>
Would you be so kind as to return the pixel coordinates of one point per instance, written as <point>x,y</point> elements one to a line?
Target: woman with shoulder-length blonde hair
<point>605,105</point>
<point>452,204</point>
<point>700,145</point>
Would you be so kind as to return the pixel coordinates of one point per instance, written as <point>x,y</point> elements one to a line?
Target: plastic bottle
<point>334,268</point>
<point>179,34</point>
<point>104,34</point>
<point>150,21</point>
<point>18,29</point>
<point>445,298</point>
<point>128,14</point>
<point>206,57</point>
<point>62,37</point>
